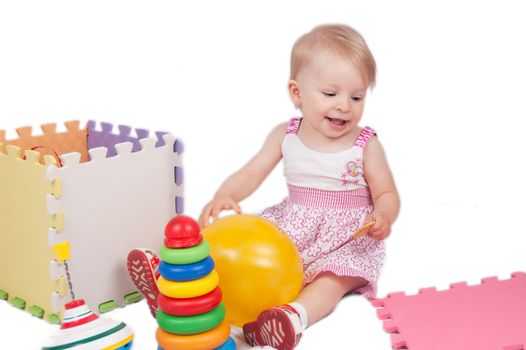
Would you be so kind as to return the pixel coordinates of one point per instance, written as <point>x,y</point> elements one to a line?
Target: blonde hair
<point>336,38</point>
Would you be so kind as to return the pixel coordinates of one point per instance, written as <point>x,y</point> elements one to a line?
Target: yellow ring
<point>188,289</point>
<point>202,341</point>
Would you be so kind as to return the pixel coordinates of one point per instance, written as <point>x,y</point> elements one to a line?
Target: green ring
<point>186,325</point>
<point>182,256</point>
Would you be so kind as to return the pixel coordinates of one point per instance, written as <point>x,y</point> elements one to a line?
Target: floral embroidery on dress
<point>353,172</point>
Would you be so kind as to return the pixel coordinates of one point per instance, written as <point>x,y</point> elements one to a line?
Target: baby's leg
<point>321,296</point>
<point>281,326</point>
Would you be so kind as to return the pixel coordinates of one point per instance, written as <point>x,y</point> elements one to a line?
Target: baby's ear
<point>294,92</point>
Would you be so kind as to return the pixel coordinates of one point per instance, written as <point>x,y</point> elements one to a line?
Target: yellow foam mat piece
<point>73,140</point>
<point>24,250</point>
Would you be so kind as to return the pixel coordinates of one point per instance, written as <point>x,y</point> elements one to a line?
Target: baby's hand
<point>382,227</point>
<point>216,206</point>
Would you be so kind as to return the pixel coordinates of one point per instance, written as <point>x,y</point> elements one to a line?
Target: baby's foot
<point>279,327</point>
<point>142,267</point>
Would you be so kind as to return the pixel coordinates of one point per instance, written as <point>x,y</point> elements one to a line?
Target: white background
<point>448,106</point>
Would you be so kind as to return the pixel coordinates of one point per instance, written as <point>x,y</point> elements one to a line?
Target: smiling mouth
<point>336,121</point>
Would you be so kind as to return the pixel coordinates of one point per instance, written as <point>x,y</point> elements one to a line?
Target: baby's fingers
<point>236,208</point>
<point>205,216</point>
<point>378,225</point>
<point>225,206</point>
<point>233,207</point>
<point>216,209</point>
<point>381,232</point>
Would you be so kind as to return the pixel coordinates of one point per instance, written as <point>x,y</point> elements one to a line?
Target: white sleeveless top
<point>339,171</point>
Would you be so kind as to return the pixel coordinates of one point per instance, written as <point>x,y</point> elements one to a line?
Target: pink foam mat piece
<point>488,316</point>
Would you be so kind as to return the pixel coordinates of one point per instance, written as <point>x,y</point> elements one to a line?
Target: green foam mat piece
<point>36,311</point>
<point>53,319</point>
<point>19,303</point>
<point>3,295</point>
<point>107,306</point>
<point>132,298</point>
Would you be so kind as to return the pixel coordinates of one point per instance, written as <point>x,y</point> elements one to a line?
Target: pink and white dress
<point>328,201</point>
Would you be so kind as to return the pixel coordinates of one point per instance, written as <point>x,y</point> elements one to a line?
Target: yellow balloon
<point>258,265</point>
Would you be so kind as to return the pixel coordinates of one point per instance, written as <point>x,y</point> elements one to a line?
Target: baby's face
<point>331,94</point>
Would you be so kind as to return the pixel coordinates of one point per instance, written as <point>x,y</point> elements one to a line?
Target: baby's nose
<point>344,105</point>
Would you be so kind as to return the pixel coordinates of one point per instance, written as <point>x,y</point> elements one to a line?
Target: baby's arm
<point>383,190</point>
<point>246,180</point>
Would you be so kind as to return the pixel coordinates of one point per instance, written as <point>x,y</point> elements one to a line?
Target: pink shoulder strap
<point>364,137</point>
<point>294,124</point>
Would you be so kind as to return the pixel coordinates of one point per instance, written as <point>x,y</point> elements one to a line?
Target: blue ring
<point>188,272</point>
<point>228,345</point>
<point>126,346</point>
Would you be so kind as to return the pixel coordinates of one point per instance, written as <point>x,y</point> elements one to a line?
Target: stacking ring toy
<point>188,289</point>
<point>202,341</point>
<point>184,256</point>
<point>230,344</point>
<point>191,324</point>
<point>190,306</point>
<point>187,272</point>
<point>182,232</point>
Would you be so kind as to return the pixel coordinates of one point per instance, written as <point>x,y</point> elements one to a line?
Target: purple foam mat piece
<point>179,205</point>
<point>106,138</point>
<point>178,147</point>
<point>142,133</point>
<point>178,175</point>
<point>160,140</point>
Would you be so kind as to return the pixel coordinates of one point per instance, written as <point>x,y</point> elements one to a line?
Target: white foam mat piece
<point>112,205</point>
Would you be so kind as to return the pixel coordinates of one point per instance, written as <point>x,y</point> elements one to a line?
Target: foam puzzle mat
<point>74,203</point>
<point>487,316</point>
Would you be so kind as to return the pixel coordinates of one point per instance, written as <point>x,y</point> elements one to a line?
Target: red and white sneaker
<point>279,327</point>
<point>142,268</point>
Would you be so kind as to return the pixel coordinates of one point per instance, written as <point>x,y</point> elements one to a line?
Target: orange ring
<point>202,341</point>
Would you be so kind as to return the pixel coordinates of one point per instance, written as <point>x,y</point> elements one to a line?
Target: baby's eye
<point>329,93</point>
<point>356,98</point>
